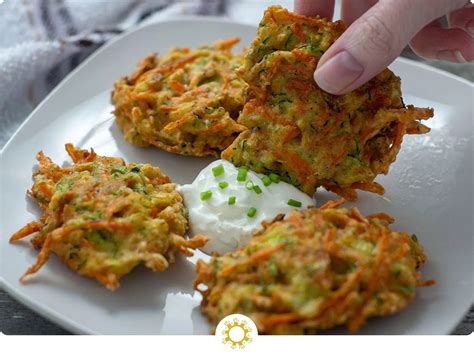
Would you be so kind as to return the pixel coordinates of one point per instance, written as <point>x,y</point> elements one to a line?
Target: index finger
<point>323,8</point>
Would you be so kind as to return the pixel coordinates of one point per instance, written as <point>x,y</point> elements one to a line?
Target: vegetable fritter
<point>103,217</point>
<point>185,102</point>
<point>310,137</point>
<point>314,270</point>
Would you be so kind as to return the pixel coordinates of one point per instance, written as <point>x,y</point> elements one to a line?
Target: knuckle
<point>379,36</point>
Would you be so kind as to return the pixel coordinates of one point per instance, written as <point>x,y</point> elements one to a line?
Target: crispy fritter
<point>309,137</point>
<point>185,102</point>
<point>103,217</point>
<point>316,269</point>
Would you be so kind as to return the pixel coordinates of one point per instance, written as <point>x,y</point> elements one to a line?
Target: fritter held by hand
<point>103,217</point>
<point>185,102</point>
<point>309,137</point>
<point>314,270</point>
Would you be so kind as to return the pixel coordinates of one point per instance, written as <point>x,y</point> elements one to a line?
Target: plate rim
<point>50,313</point>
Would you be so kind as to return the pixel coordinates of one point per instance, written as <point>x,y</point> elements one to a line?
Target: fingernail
<point>451,56</point>
<point>470,27</point>
<point>338,72</point>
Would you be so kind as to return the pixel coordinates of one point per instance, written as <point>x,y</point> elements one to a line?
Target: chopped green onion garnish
<point>252,212</point>
<point>266,180</point>
<point>294,203</point>
<point>231,200</point>
<point>242,174</point>
<point>257,189</point>
<point>274,178</point>
<point>218,170</point>
<point>223,184</point>
<point>206,195</point>
<point>249,185</point>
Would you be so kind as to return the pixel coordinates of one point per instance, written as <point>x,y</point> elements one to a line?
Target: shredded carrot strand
<point>255,258</point>
<point>153,212</point>
<point>377,274</point>
<point>227,43</point>
<point>42,258</point>
<point>276,319</point>
<point>369,186</point>
<point>347,193</point>
<point>333,204</point>
<point>355,213</point>
<point>173,66</point>
<point>291,133</point>
<point>30,228</point>
<point>299,32</point>
<point>72,152</point>
<point>341,292</point>
<point>383,216</point>
<point>165,108</point>
<point>45,189</point>
<point>177,86</point>
<point>426,283</point>
<point>110,280</point>
<point>196,242</point>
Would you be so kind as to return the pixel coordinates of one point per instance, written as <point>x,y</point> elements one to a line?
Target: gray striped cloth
<point>41,41</point>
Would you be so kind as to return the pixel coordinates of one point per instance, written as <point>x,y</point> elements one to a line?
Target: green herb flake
<point>218,170</point>
<point>257,189</point>
<point>242,174</point>
<point>231,200</point>
<point>266,180</point>
<point>249,185</point>
<point>223,184</point>
<point>275,178</point>
<point>294,203</point>
<point>206,195</point>
<point>252,212</point>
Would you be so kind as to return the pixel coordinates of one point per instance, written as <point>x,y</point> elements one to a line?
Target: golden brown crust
<point>103,217</point>
<point>185,102</point>
<point>316,269</point>
<point>309,137</point>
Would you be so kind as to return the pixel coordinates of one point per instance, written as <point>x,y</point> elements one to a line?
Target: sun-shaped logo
<point>236,331</point>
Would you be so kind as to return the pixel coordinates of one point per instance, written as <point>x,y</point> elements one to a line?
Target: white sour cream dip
<point>229,226</point>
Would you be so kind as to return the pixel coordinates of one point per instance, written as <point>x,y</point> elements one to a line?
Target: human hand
<point>379,30</point>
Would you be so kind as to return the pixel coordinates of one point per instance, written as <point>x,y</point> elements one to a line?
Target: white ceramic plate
<point>429,188</point>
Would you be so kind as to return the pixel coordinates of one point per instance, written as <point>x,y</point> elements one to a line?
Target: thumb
<point>375,40</point>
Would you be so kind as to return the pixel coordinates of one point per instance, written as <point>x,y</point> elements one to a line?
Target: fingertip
<point>450,44</point>
<point>312,8</point>
<point>462,18</point>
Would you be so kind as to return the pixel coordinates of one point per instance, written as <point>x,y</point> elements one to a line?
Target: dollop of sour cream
<point>230,225</point>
